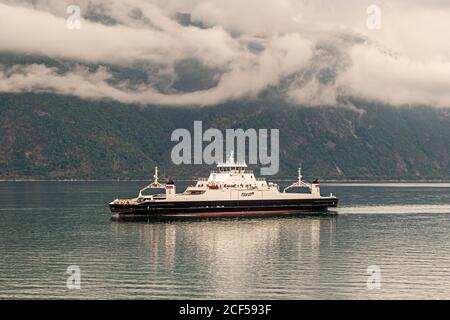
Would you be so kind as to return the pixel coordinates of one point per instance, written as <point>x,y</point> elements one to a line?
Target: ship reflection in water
<point>231,258</point>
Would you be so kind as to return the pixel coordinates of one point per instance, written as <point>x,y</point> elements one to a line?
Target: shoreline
<point>194,179</point>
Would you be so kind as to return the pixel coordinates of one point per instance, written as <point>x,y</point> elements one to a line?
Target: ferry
<point>230,191</point>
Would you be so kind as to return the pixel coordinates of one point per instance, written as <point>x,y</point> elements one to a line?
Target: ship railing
<point>240,171</point>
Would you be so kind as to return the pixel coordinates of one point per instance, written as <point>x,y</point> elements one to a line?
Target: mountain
<point>46,136</point>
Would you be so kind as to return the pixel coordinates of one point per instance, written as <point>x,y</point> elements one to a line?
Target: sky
<point>204,53</point>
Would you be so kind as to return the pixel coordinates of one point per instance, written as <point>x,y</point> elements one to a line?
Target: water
<point>47,226</point>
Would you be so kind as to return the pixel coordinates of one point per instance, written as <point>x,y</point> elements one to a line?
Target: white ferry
<point>231,190</point>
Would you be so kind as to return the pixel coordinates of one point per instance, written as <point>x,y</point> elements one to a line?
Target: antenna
<point>300,173</point>
<point>231,159</point>
<point>155,176</point>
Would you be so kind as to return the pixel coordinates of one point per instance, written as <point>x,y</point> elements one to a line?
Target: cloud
<point>79,82</point>
<point>313,53</point>
<point>396,80</point>
<point>31,31</point>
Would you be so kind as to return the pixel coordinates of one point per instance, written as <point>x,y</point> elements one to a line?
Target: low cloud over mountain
<point>195,52</point>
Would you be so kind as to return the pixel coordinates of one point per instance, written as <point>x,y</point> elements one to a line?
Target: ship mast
<point>155,176</point>
<point>154,185</point>
<point>299,183</point>
<point>231,158</point>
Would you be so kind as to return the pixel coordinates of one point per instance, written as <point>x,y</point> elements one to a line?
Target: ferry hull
<point>223,208</point>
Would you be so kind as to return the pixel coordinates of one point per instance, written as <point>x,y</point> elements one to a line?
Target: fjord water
<point>404,229</point>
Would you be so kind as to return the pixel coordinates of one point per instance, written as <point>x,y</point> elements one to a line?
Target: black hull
<point>223,208</point>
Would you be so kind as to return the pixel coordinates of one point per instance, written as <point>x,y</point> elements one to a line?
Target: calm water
<point>47,226</point>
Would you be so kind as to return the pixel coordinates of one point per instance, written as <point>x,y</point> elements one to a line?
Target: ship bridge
<point>232,174</point>
<point>231,166</point>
